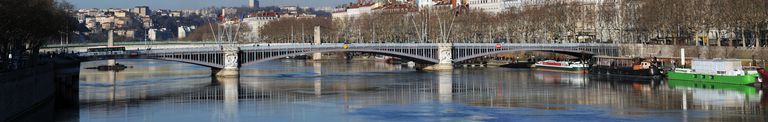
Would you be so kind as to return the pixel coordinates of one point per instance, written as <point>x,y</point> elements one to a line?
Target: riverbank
<point>24,91</point>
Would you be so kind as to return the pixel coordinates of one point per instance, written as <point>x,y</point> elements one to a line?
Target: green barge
<point>715,71</point>
<point>746,78</point>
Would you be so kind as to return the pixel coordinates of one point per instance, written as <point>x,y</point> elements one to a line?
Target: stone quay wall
<point>25,89</point>
<point>706,52</point>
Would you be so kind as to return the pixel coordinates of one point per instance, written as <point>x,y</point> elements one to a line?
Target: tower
<point>253,3</point>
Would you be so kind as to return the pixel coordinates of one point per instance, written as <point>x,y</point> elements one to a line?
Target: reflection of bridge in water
<point>497,88</point>
<point>229,58</point>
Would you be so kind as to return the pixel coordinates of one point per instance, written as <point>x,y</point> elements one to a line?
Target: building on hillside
<point>159,34</point>
<point>121,13</point>
<point>176,13</point>
<point>228,12</point>
<point>152,34</point>
<point>492,6</point>
<point>125,33</point>
<point>256,22</point>
<point>395,8</point>
<point>355,10</point>
<point>289,8</point>
<point>253,3</point>
<point>425,3</point>
<point>142,10</point>
<point>182,32</point>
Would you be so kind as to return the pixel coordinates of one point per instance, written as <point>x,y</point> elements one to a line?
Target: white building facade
<point>255,23</point>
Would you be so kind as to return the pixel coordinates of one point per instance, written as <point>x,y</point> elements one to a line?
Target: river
<point>336,90</point>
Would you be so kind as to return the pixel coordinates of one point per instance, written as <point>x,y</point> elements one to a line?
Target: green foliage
<point>28,24</point>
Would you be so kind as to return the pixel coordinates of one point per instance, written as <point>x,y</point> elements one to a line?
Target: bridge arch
<point>416,58</point>
<point>576,53</point>
<point>180,60</point>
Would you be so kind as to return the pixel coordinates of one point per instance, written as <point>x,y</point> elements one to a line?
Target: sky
<point>195,4</point>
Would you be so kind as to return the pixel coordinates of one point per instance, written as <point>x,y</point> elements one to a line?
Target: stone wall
<point>23,90</point>
<point>641,50</point>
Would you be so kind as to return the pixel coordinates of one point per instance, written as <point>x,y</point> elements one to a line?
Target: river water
<point>335,91</point>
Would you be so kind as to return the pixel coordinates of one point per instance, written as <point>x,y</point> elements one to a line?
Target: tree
<point>29,24</point>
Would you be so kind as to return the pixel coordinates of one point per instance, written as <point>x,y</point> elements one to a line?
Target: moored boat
<point>715,71</point>
<point>561,66</point>
<point>627,67</point>
<point>763,77</point>
<point>518,65</point>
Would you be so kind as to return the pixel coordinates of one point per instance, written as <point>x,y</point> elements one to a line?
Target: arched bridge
<point>233,56</point>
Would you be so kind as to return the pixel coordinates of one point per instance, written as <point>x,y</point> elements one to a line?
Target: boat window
<point>720,72</point>
<point>712,77</point>
<point>694,76</point>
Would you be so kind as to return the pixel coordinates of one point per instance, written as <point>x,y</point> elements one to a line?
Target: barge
<point>561,66</point>
<point>627,67</point>
<point>716,71</point>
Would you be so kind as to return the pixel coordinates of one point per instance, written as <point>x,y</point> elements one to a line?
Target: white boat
<point>561,66</point>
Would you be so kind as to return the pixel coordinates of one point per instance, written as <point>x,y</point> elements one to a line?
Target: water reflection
<point>231,97</point>
<point>317,66</point>
<point>364,91</point>
<point>445,86</point>
<point>710,96</point>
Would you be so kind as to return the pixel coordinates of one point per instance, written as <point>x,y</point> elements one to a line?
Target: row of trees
<point>296,30</point>
<point>27,25</point>
<point>724,22</point>
<point>743,20</point>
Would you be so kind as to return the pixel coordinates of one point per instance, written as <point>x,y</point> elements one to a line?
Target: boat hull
<point>560,69</point>
<point>740,80</point>
<point>625,71</point>
<point>518,65</point>
<point>748,90</point>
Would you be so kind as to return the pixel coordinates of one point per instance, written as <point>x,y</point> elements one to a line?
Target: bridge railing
<point>530,44</point>
<point>130,43</point>
<point>333,45</point>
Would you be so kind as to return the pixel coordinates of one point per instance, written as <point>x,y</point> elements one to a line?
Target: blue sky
<point>193,4</point>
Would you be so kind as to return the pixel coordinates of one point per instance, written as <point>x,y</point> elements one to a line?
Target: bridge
<point>226,59</point>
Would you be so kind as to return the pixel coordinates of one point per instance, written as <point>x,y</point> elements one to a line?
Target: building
<point>228,11</point>
<point>422,4</point>
<point>425,3</point>
<point>159,34</point>
<point>121,13</point>
<point>152,34</point>
<point>176,13</point>
<point>355,10</point>
<point>256,21</point>
<point>253,3</point>
<point>289,8</point>
<point>493,6</point>
<point>142,10</point>
<point>182,32</point>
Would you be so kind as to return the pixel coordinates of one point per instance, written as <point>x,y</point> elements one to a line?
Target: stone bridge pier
<point>445,58</point>
<point>231,63</point>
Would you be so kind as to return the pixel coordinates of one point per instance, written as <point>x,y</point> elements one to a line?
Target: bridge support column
<point>317,41</point>
<point>231,64</point>
<point>445,56</point>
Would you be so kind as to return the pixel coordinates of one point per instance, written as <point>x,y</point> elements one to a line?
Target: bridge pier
<point>231,64</point>
<point>317,41</point>
<point>445,57</point>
